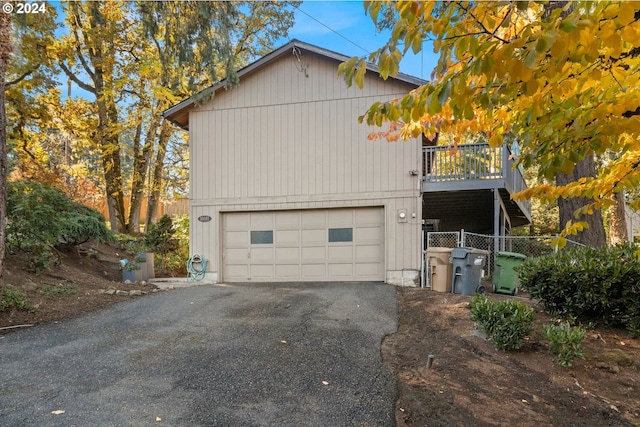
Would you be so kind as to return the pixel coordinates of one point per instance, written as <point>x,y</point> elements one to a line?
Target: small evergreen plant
<point>565,342</point>
<point>507,322</point>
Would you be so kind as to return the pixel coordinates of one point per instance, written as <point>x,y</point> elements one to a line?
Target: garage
<point>341,244</point>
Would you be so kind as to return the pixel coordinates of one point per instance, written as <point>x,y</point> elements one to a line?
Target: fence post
<point>461,240</point>
<point>422,267</point>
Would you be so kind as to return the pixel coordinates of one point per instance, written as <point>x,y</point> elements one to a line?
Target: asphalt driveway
<point>223,355</point>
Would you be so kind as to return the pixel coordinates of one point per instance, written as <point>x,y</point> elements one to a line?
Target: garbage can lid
<point>438,249</point>
<point>511,255</point>
<point>460,252</point>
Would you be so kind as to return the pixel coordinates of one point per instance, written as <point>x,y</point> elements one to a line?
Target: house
<point>285,184</point>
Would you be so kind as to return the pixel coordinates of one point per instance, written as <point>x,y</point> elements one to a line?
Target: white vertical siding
<point>285,141</point>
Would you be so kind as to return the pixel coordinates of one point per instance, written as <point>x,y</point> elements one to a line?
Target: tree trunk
<point>133,223</point>
<point>110,149</point>
<point>140,166</point>
<point>594,235</point>
<point>156,185</point>
<point>618,221</point>
<point>5,52</point>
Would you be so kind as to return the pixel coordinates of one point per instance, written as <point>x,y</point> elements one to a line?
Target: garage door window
<point>340,235</point>
<point>264,237</point>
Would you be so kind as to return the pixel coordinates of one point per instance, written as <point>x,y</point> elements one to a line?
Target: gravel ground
<point>223,355</point>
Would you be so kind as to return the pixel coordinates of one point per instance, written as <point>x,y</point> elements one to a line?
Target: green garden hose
<point>195,273</point>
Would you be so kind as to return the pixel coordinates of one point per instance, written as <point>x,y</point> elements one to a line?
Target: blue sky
<point>340,26</point>
<point>349,20</point>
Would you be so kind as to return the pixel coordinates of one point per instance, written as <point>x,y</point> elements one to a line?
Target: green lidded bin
<point>505,278</point>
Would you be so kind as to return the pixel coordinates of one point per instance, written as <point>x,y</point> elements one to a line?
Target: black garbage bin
<point>467,270</point>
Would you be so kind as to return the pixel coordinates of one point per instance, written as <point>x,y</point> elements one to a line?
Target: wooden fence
<point>169,207</point>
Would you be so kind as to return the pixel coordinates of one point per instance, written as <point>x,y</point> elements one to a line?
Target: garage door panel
<point>235,256</point>
<point>298,245</point>
<point>237,272</point>
<point>291,271</point>
<point>340,253</point>
<point>288,255</point>
<point>313,254</point>
<point>340,217</point>
<point>288,237</point>
<point>261,272</point>
<point>369,216</point>
<point>314,271</point>
<point>372,269</point>
<point>314,236</point>
<point>237,221</point>
<point>287,220</point>
<point>364,252</point>
<point>261,255</point>
<point>236,239</point>
<point>261,220</point>
<point>362,234</point>
<point>341,271</point>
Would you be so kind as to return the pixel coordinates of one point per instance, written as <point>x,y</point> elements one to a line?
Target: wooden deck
<point>465,189</point>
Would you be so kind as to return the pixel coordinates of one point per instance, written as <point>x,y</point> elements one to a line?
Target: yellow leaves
<point>518,71</point>
<point>531,87</point>
<point>571,229</point>
<point>562,83</point>
<point>630,34</point>
<point>388,64</point>
<point>601,111</point>
<point>626,13</point>
<point>614,45</point>
<point>558,48</point>
<point>354,69</point>
<point>495,140</point>
<point>567,88</point>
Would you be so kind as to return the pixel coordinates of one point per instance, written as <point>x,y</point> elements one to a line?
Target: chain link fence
<point>443,239</point>
<point>531,246</point>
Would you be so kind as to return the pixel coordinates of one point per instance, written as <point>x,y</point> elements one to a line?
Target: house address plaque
<point>204,218</point>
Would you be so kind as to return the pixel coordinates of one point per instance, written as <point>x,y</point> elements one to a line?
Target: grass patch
<point>59,290</point>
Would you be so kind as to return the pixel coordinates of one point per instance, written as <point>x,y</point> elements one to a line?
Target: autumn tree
<point>30,87</point>
<point>129,62</point>
<point>5,54</point>
<point>97,35</point>
<point>196,44</point>
<point>562,76</point>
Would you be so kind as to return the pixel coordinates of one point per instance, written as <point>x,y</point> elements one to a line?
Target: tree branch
<point>81,58</point>
<point>631,113</point>
<point>73,77</point>
<point>22,77</point>
<point>484,29</point>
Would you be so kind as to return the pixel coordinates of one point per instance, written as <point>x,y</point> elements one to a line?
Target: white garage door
<point>304,245</point>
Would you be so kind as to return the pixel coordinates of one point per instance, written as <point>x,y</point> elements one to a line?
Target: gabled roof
<point>179,113</point>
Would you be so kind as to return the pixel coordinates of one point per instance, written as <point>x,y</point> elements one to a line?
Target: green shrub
<point>507,322</point>
<point>587,284</point>
<point>160,239</point>
<point>168,239</point>
<point>565,342</point>
<point>483,313</point>
<point>176,260</point>
<point>81,223</point>
<point>12,298</point>
<point>41,219</point>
